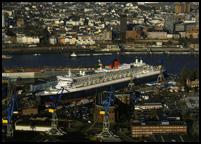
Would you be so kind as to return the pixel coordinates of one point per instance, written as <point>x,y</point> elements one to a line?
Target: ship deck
<point>113,77</point>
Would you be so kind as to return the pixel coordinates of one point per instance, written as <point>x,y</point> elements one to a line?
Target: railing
<point>104,77</point>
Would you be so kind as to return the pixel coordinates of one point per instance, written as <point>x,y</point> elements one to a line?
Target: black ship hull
<point>94,91</point>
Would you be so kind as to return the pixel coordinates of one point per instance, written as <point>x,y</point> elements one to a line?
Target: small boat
<point>73,55</point>
<point>36,54</point>
<point>6,57</point>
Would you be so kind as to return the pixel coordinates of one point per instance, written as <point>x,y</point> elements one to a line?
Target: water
<point>173,63</point>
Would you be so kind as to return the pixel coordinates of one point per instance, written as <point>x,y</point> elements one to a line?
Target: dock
<point>40,72</point>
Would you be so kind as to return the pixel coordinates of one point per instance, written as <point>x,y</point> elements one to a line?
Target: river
<point>173,63</point>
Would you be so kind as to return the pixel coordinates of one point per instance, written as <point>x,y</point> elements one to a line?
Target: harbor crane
<point>11,106</point>
<point>54,121</point>
<point>134,98</point>
<point>106,134</point>
<point>161,78</point>
<point>131,84</point>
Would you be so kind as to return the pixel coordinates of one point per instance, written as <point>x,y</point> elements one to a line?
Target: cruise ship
<point>116,75</point>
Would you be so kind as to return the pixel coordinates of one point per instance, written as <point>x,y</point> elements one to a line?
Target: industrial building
<point>124,98</point>
<point>150,128</point>
<point>182,7</point>
<point>148,106</point>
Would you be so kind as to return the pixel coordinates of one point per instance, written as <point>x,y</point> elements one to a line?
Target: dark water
<point>173,63</point>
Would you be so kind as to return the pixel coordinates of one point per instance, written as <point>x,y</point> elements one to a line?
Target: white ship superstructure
<point>102,77</point>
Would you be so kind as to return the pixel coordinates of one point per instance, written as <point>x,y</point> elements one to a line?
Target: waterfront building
<point>22,39</point>
<point>177,8</point>
<point>182,7</point>
<point>179,27</point>
<point>157,35</point>
<point>107,35</point>
<point>61,40</point>
<point>170,21</point>
<point>188,7</point>
<point>52,40</point>
<point>132,35</point>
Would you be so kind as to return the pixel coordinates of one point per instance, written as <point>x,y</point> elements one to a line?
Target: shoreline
<point>93,52</point>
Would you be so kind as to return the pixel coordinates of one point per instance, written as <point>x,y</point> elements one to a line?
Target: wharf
<point>40,72</point>
<point>69,50</point>
<point>49,49</point>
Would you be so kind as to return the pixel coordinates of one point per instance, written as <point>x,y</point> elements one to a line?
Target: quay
<point>91,51</point>
<point>40,72</point>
